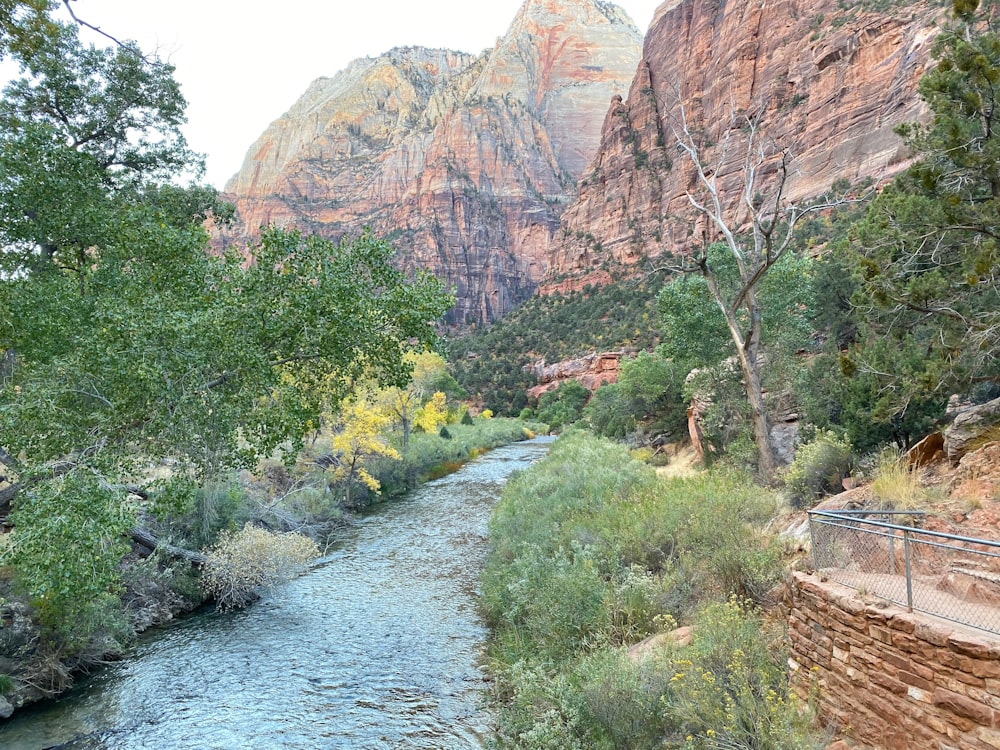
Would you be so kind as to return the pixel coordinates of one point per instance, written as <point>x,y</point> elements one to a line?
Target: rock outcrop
<point>464,162</point>
<point>828,80</point>
<point>971,428</point>
<point>591,371</point>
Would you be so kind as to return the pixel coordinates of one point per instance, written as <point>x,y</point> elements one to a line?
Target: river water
<point>377,647</point>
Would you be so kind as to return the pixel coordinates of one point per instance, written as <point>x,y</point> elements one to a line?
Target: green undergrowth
<point>429,455</point>
<point>591,552</point>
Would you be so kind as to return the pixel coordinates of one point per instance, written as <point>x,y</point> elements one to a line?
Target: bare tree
<point>756,228</point>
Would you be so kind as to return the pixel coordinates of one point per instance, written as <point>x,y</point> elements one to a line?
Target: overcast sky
<point>242,65</point>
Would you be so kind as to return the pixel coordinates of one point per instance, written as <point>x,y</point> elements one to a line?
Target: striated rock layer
<point>591,371</point>
<point>829,83</point>
<point>466,163</point>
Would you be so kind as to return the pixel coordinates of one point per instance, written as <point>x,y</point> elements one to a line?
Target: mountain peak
<point>465,162</point>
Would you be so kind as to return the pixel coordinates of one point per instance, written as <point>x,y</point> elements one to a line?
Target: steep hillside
<point>829,81</point>
<point>502,365</point>
<point>465,162</point>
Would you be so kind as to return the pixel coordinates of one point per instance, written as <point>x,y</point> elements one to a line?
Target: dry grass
<point>896,484</point>
<point>685,463</point>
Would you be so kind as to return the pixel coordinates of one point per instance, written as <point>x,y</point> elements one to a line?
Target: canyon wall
<point>464,162</point>
<point>827,81</point>
<point>890,679</point>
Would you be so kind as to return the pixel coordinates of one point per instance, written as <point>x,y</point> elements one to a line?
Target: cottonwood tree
<point>429,376</point>
<point>359,436</point>
<point>126,341</point>
<point>753,231</point>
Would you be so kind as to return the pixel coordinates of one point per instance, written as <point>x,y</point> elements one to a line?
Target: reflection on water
<point>376,648</point>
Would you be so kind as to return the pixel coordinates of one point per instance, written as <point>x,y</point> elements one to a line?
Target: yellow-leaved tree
<point>358,436</point>
<point>430,376</point>
<point>433,414</point>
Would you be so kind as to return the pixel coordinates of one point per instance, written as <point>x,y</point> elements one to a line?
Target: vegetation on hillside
<point>490,363</point>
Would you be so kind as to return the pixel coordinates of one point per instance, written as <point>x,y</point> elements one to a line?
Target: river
<point>377,647</point>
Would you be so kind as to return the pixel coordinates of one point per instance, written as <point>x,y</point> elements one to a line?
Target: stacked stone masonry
<point>891,679</point>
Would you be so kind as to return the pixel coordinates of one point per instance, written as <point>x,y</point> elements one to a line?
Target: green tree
<point>563,406</point>
<point>763,206</point>
<point>696,336</point>
<point>647,395</point>
<point>25,25</point>
<point>126,340</point>
<point>609,413</point>
<point>928,246</point>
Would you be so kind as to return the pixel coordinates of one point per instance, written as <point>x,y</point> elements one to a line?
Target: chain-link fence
<point>880,554</point>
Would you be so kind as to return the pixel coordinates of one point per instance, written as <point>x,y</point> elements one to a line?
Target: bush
<point>245,562</point>
<point>730,688</point>
<point>591,551</point>
<point>896,484</point>
<point>819,469</point>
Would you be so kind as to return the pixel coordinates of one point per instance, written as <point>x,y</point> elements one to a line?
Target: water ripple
<point>376,648</point>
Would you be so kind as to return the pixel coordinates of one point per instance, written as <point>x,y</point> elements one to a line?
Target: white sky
<point>241,65</point>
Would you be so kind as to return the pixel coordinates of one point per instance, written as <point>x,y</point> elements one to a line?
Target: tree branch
<point>98,29</point>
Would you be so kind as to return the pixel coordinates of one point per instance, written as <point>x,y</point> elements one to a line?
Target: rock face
<point>465,163</point>
<point>828,82</point>
<point>591,371</point>
<point>971,428</point>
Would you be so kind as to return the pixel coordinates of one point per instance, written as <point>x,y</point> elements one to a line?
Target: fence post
<point>892,552</point>
<point>812,540</point>
<point>909,581</point>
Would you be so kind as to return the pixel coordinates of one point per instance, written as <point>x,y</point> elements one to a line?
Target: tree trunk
<point>748,354</point>
<point>766,461</point>
<point>146,539</point>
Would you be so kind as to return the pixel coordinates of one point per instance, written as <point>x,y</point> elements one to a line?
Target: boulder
<point>926,450</point>
<point>972,428</point>
<point>645,648</point>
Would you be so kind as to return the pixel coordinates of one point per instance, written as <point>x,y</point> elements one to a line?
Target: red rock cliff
<point>464,163</point>
<point>831,83</point>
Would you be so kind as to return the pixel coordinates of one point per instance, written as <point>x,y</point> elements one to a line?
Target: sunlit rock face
<point>464,162</point>
<point>828,83</point>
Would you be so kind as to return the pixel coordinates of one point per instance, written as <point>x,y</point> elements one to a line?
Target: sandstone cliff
<point>829,83</point>
<point>591,371</point>
<point>465,163</point>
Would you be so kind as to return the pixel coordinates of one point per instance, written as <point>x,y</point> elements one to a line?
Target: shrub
<point>466,418</point>
<point>590,552</point>
<point>818,469</point>
<point>444,433</point>
<point>245,562</point>
<point>896,484</point>
<point>730,688</point>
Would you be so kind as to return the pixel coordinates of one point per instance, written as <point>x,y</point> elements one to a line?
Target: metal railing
<point>949,576</point>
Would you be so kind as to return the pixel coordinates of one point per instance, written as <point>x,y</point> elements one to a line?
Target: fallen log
<point>148,540</point>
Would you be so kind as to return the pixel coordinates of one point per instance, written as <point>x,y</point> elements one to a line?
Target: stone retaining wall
<point>892,679</point>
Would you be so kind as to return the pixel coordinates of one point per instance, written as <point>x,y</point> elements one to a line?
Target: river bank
<point>378,646</point>
<point>157,587</point>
